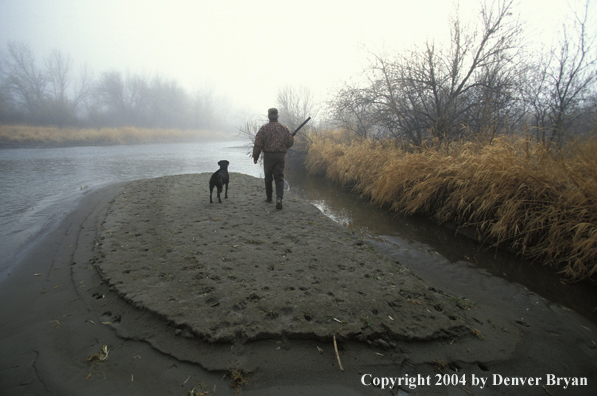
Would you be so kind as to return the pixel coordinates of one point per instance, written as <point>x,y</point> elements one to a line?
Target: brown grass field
<point>539,202</point>
<point>30,136</point>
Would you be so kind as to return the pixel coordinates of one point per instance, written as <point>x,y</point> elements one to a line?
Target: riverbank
<point>520,195</point>
<point>193,295</point>
<point>24,136</point>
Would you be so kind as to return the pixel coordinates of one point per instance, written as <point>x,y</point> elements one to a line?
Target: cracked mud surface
<point>242,270</point>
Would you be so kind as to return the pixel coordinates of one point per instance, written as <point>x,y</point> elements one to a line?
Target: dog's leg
<point>211,190</point>
<point>226,196</point>
<point>219,191</point>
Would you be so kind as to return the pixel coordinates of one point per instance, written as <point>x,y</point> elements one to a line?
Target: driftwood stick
<point>337,354</point>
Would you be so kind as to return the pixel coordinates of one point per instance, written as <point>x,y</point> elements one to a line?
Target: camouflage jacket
<point>272,137</point>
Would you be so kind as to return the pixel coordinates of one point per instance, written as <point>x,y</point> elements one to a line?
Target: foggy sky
<point>243,50</point>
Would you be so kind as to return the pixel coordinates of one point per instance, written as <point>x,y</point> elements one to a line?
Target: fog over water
<point>244,51</point>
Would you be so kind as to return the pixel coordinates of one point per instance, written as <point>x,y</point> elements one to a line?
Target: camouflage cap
<point>272,113</point>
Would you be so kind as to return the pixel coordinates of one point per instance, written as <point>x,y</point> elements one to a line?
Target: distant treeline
<point>19,136</point>
<point>53,93</point>
<point>484,79</point>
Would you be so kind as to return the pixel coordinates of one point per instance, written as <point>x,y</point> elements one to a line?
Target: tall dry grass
<point>21,135</point>
<point>522,195</point>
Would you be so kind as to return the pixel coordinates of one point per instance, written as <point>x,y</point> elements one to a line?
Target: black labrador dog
<point>218,179</point>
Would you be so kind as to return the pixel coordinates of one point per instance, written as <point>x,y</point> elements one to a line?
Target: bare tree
<point>53,95</point>
<point>559,87</point>
<point>59,69</point>
<point>59,109</point>
<point>352,110</point>
<point>83,88</point>
<point>24,82</point>
<point>40,95</point>
<point>5,103</point>
<point>138,98</point>
<point>109,96</point>
<point>123,101</point>
<point>534,89</point>
<point>430,91</point>
<point>204,108</point>
<point>570,76</point>
<point>295,105</point>
<point>169,104</point>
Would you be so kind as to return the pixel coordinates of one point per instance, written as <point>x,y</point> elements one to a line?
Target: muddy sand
<point>169,294</point>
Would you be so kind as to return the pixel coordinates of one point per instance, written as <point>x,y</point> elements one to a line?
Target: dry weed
<point>29,135</point>
<point>519,194</point>
<point>238,378</point>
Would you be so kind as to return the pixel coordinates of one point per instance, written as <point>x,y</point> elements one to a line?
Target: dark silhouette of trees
<point>54,95</point>
<point>65,96</point>
<point>561,87</point>
<point>118,100</point>
<point>479,83</point>
<point>40,96</point>
<point>295,105</point>
<point>436,92</point>
<point>482,80</point>
<point>23,82</point>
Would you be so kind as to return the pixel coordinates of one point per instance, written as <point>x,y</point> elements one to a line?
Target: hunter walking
<point>274,139</point>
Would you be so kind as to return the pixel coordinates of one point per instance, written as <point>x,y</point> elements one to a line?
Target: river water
<point>38,187</point>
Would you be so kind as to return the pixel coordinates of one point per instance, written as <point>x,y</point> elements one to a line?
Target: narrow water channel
<point>392,233</point>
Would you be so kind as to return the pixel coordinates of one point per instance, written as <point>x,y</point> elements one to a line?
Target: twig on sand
<point>103,355</point>
<point>337,354</point>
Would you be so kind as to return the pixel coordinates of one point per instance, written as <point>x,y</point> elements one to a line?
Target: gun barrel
<point>300,126</point>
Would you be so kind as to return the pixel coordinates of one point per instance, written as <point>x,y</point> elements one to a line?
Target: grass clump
<point>239,378</point>
<point>523,195</point>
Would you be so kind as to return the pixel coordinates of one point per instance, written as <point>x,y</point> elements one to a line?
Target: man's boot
<point>268,192</point>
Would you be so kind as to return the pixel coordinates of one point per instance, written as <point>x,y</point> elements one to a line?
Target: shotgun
<point>300,126</point>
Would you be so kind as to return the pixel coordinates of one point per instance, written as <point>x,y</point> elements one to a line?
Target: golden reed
<point>535,200</point>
